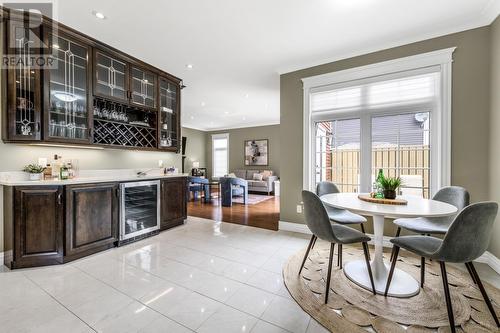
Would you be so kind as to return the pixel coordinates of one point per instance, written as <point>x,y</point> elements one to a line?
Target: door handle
<point>37,127</point>
<point>59,199</point>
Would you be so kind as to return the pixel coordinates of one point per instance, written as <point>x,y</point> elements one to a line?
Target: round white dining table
<point>403,284</point>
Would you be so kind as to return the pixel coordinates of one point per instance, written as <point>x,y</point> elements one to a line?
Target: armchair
<point>233,187</point>
<point>198,185</point>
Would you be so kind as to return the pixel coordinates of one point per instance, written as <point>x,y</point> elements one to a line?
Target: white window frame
<point>214,137</point>
<point>440,127</point>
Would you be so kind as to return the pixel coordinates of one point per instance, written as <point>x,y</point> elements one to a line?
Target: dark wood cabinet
<point>169,115</point>
<point>93,95</point>
<point>111,77</point>
<point>34,232</point>
<point>91,218</point>
<point>143,87</point>
<point>24,102</point>
<point>67,89</point>
<point>47,225</point>
<point>173,202</point>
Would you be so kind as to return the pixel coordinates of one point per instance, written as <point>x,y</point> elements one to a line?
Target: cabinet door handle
<point>59,199</point>
<point>37,127</point>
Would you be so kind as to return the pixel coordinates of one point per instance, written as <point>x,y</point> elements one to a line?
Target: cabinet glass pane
<point>110,77</point>
<point>68,116</point>
<point>143,88</point>
<point>27,109</point>
<point>141,208</point>
<point>168,114</point>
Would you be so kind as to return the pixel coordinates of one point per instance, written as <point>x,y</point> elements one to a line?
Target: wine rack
<point>118,124</point>
<point>114,133</point>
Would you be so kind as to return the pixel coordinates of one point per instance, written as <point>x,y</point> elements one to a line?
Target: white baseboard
<point>487,257</point>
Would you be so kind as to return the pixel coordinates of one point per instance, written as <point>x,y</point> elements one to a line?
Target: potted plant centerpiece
<point>35,171</point>
<point>390,185</point>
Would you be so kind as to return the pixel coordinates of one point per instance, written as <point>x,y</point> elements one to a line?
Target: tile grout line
<point>193,291</point>
<point>58,302</point>
<point>132,298</point>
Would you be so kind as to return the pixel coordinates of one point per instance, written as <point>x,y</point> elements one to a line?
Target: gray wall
<point>14,157</point>
<point>470,114</point>
<point>237,139</point>
<point>495,129</point>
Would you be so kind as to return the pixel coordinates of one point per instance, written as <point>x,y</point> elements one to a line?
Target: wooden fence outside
<point>411,162</point>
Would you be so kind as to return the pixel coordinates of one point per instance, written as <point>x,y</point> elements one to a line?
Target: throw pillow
<point>266,174</point>
<point>232,175</point>
<point>257,176</point>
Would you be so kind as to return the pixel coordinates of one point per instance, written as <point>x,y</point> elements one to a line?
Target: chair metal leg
<point>483,292</point>
<point>314,241</point>
<point>368,267</point>
<point>391,271</point>
<point>313,238</point>
<point>470,273</point>
<point>339,256</point>
<point>446,288</point>
<point>329,275</point>
<point>397,235</point>
<point>422,271</point>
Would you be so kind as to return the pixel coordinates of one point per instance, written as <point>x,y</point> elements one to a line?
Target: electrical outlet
<point>299,209</point>
<point>160,163</point>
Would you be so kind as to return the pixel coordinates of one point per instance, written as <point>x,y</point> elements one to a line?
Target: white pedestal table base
<point>402,285</point>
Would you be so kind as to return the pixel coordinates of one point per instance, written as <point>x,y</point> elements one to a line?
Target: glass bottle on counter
<point>64,173</point>
<point>56,166</point>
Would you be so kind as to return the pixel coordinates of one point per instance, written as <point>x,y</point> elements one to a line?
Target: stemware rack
<point>119,124</point>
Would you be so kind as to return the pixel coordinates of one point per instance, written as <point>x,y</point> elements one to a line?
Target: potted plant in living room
<point>390,185</point>
<point>35,171</point>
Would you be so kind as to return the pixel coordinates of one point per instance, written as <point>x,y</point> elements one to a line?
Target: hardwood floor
<point>262,215</point>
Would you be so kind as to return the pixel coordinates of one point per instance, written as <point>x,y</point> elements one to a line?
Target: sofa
<point>254,185</point>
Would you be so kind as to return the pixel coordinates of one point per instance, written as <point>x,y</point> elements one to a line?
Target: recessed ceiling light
<point>189,66</point>
<point>191,117</point>
<point>99,15</point>
<point>244,118</point>
<point>247,95</point>
<point>226,112</point>
<point>202,104</point>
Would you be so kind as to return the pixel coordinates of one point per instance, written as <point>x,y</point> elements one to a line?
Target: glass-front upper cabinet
<point>169,115</point>
<point>67,82</point>
<point>24,43</point>
<point>111,77</point>
<point>143,87</point>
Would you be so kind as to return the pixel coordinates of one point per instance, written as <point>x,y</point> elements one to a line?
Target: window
<point>393,116</point>
<point>400,147</point>
<point>337,153</point>
<point>220,154</point>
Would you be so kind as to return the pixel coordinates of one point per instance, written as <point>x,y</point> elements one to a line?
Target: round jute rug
<point>354,309</point>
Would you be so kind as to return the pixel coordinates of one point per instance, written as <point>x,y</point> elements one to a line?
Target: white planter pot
<point>36,176</point>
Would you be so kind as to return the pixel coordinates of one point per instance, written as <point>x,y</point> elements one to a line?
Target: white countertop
<point>19,178</point>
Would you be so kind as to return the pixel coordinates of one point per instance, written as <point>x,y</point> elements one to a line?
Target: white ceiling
<point>238,48</point>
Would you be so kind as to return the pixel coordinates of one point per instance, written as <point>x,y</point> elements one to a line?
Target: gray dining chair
<point>467,239</point>
<point>317,220</point>
<point>340,216</point>
<point>453,195</point>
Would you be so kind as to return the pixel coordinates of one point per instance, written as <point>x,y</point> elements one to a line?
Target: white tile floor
<point>204,276</point>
